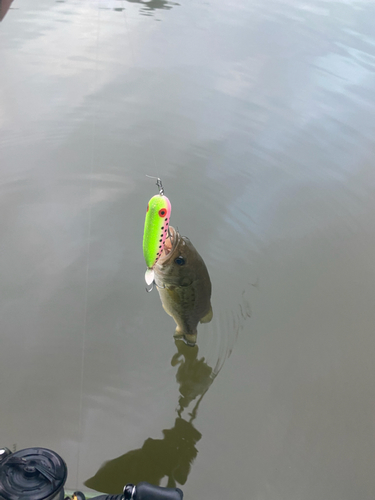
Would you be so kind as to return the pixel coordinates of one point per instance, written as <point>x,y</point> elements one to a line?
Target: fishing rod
<point>40,474</point>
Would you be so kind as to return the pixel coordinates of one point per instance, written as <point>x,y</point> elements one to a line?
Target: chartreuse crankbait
<point>156,230</point>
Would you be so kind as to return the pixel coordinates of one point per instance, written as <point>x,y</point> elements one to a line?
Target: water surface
<point>260,120</point>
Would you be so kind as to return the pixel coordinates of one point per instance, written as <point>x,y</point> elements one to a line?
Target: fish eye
<point>180,261</point>
<point>162,212</point>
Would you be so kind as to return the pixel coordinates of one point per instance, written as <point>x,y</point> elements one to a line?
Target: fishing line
<point>133,64</point>
<point>89,225</point>
<point>158,183</point>
<point>88,244</point>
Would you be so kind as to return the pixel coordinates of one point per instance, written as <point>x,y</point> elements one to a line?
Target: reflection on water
<point>194,377</point>
<point>169,457</point>
<point>172,456</point>
<point>149,6</point>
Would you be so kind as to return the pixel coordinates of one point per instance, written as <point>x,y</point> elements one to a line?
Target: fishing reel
<point>40,474</point>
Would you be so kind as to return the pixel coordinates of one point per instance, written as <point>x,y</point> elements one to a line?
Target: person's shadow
<point>172,456</point>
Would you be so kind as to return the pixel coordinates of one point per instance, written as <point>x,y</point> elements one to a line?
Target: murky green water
<point>260,118</point>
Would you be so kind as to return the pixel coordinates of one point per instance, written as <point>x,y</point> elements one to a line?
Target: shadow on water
<point>173,455</point>
<point>148,7</point>
<point>4,6</point>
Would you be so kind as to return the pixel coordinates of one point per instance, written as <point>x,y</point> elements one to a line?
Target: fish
<point>182,280</point>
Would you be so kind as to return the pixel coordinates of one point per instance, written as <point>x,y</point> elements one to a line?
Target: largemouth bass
<point>184,285</point>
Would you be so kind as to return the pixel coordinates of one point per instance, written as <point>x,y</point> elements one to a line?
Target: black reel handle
<point>143,491</point>
<point>147,491</point>
<point>78,495</point>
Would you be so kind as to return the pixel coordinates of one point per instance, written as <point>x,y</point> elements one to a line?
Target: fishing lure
<point>156,229</point>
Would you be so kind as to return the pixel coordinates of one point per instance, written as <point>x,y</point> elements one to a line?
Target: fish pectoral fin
<point>189,338</point>
<point>207,317</point>
<point>166,310</point>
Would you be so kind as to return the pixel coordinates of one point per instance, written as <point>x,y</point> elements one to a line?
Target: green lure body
<point>156,228</point>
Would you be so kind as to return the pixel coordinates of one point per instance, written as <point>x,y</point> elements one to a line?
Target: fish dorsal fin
<point>149,276</point>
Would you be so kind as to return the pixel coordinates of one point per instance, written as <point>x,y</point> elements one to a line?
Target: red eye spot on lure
<point>148,206</point>
<point>162,212</point>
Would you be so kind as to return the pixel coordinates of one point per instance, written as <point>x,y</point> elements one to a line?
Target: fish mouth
<point>170,245</point>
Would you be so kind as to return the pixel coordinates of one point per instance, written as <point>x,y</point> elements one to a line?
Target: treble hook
<point>158,183</point>
<point>170,235</point>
